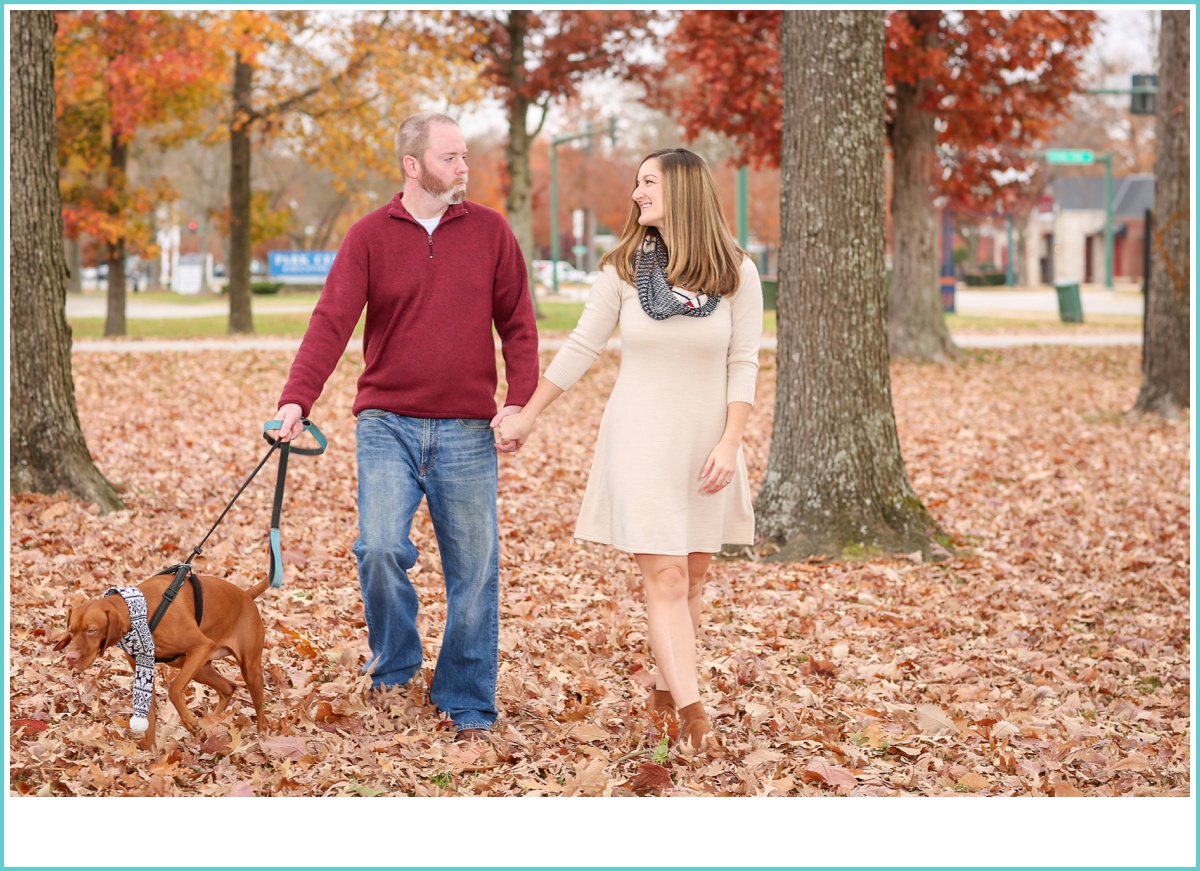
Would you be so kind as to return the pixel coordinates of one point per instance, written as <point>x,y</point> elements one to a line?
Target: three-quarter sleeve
<point>747,312</point>
<point>591,334</point>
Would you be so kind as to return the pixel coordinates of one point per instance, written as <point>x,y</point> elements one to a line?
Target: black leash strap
<point>183,569</point>
<point>275,567</point>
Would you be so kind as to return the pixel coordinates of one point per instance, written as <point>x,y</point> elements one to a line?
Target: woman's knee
<point>667,581</point>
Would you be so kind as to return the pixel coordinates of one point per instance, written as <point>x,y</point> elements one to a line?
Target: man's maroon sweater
<point>431,301</point>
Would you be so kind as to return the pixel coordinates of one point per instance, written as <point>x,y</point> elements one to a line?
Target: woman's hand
<point>515,427</point>
<point>719,467</point>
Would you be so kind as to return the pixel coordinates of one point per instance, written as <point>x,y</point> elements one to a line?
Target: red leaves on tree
<point>996,80</point>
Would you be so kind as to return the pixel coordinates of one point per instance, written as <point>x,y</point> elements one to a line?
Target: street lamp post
<point>555,141</point>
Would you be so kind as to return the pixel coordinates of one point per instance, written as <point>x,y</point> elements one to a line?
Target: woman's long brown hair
<point>702,254</point>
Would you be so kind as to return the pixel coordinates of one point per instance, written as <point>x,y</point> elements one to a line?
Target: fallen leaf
<point>974,782</point>
<point>1132,762</point>
<point>650,777</point>
<point>590,780</point>
<point>933,720</point>
<point>818,770</point>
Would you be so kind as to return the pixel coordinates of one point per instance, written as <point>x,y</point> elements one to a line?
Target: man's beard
<point>433,186</point>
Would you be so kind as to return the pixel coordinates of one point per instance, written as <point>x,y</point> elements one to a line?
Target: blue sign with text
<point>299,267</point>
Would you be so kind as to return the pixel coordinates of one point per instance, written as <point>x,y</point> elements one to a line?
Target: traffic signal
<point>1143,99</point>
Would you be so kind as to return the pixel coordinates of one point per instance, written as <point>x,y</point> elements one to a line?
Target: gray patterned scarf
<point>138,642</point>
<point>658,298</point>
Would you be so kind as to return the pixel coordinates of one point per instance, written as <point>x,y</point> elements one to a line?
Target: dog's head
<point>91,628</point>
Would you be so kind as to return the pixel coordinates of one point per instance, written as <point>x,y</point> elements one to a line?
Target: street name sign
<point>1069,155</point>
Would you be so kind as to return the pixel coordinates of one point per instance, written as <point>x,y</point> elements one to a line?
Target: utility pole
<point>743,228</point>
<point>555,141</point>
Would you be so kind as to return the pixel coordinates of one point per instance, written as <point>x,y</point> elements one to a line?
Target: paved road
<point>967,302</point>
<point>1096,302</point>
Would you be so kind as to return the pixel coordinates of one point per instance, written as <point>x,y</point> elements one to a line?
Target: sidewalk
<point>252,343</point>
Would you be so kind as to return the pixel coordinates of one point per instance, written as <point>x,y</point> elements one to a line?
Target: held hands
<point>507,442</point>
<point>291,416</point>
<point>719,468</point>
<point>513,428</point>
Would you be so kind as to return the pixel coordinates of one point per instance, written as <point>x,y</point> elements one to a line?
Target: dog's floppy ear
<point>113,633</point>
<point>66,639</point>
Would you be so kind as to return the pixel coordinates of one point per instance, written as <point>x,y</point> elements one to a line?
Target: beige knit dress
<point>665,415</point>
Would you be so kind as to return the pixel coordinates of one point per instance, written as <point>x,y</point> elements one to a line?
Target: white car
<point>567,274</point>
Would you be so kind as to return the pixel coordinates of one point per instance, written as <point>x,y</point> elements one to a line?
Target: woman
<point>668,482</point>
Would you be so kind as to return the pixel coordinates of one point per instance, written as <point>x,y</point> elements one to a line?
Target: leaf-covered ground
<point>1050,657</point>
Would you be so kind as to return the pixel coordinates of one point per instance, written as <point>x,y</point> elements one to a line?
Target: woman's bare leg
<point>671,631</point>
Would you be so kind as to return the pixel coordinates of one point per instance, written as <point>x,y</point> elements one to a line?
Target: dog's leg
<point>209,676</point>
<point>194,660</point>
<point>251,665</point>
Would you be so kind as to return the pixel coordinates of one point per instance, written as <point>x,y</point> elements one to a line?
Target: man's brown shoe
<point>471,735</point>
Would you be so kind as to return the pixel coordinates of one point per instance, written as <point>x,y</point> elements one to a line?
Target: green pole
<point>554,215</point>
<point>742,220</point>
<point>1108,220</point>
<point>1010,277</point>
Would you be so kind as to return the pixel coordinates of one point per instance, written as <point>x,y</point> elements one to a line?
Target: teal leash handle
<point>275,567</point>
<point>309,427</point>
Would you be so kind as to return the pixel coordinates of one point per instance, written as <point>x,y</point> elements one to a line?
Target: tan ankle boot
<point>661,701</point>
<point>694,726</point>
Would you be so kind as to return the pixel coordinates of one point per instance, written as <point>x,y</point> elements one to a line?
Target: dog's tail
<point>256,591</point>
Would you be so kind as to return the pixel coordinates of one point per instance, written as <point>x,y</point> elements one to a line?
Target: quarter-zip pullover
<point>431,300</point>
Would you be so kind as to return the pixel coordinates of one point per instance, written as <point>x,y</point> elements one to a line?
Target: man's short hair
<point>412,136</point>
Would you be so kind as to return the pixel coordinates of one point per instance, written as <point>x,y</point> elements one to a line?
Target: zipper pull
<point>430,246</point>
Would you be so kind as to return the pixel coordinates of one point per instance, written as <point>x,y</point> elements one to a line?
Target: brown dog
<point>230,625</point>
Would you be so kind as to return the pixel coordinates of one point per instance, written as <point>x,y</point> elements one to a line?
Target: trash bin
<point>1070,309</point>
<point>770,290</point>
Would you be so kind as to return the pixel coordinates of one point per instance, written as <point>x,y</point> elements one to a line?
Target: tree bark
<point>48,451</point>
<point>835,479</point>
<point>519,200</point>
<point>241,319</point>
<point>1166,384</point>
<point>118,162</point>
<point>916,322</point>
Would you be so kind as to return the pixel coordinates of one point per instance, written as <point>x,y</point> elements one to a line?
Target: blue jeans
<point>451,463</point>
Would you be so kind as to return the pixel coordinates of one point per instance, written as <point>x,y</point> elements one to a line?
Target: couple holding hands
<point>668,481</point>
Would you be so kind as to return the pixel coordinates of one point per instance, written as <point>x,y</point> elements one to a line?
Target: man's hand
<point>510,446</point>
<point>291,416</point>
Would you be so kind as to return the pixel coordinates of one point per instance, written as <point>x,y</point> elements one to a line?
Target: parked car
<point>567,274</point>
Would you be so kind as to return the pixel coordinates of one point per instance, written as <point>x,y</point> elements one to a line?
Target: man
<point>435,272</point>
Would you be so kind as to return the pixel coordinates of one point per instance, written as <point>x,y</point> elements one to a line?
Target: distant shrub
<point>984,279</point>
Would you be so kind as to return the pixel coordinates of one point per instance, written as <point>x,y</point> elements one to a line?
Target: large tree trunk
<point>519,201</point>
<point>835,478</point>
<point>241,319</point>
<point>118,161</point>
<point>916,323</point>
<point>1166,387</point>
<point>48,451</point>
